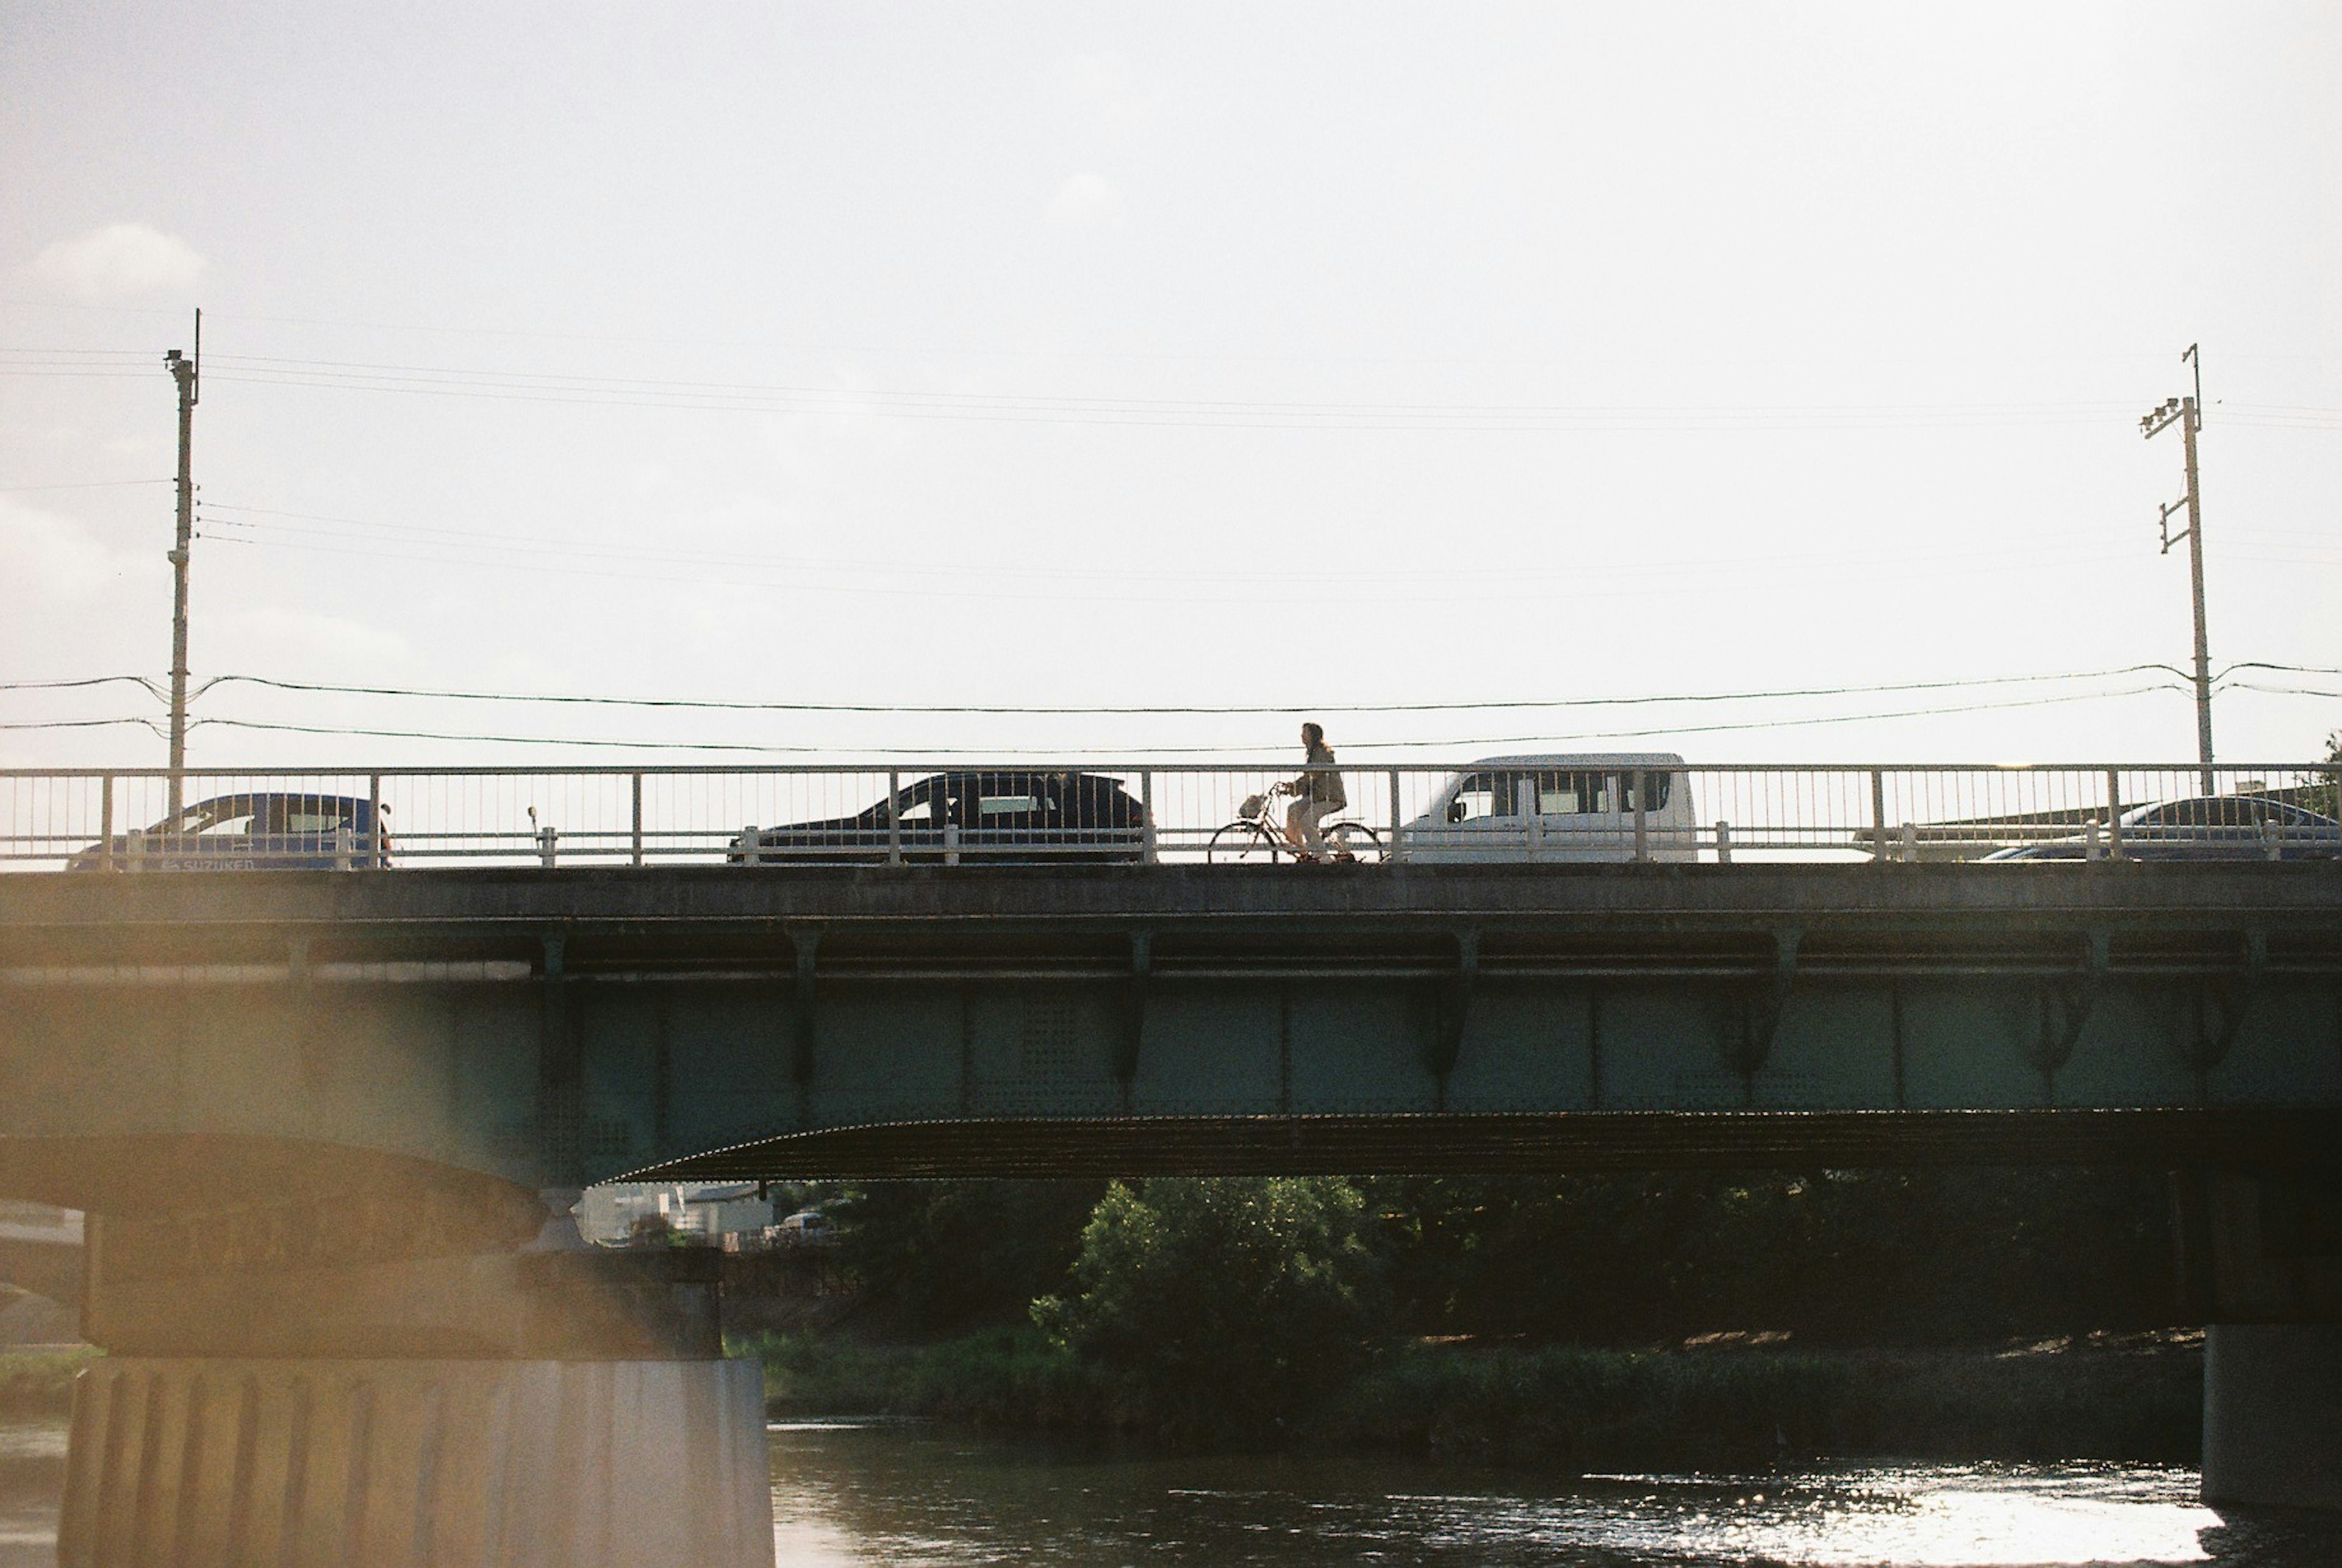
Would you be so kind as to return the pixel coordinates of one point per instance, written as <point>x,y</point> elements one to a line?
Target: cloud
<point>1086,201</point>
<point>51,561</point>
<point>120,261</point>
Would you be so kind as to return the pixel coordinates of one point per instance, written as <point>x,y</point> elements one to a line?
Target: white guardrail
<point>1556,810</point>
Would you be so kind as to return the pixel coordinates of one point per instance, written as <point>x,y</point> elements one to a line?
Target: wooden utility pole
<point>2187,412</point>
<point>187,373</point>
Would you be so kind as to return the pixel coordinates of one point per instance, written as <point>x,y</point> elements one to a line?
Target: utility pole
<point>2187,412</point>
<point>188,374</point>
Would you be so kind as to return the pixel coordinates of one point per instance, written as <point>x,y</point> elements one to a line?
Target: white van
<point>1559,808</point>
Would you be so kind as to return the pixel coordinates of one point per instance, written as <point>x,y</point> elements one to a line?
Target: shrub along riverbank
<point>1578,1407</point>
<point>37,1379</point>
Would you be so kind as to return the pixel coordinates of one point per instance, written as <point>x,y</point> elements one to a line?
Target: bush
<point>1218,1308</point>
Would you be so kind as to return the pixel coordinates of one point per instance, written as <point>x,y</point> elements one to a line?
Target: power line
<point>87,484</point>
<point>1352,746</point>
<point>1171,711</point>
<point>81,681</point>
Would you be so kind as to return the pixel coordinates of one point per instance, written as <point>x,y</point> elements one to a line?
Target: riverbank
<point>1724,1401</point>
<point>37,1379</point>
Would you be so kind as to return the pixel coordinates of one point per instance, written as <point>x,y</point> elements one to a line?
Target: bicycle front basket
<point>1252,805</point>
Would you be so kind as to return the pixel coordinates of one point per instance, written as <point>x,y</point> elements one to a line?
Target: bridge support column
<point>2273,1415</point>
<point>2272,1246</point>
<point>425,1371</point>
<point>350,1464</point>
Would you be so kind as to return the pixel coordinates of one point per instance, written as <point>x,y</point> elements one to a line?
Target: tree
<point>1223,1306</point>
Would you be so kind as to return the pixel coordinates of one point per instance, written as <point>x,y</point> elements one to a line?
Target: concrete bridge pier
<point>2266,1262</point>
<point>406,1374</point>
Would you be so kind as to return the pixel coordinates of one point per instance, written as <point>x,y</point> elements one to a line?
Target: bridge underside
<point>1501,1144</point>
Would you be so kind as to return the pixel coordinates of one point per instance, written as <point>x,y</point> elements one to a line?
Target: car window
<point>1008,804</point>
<point>236,826</point>
<point>313,816</point>
<point>918,814</point>
<point>1655,790</point>
<point>1572,793</point>
<point>1476,796</point>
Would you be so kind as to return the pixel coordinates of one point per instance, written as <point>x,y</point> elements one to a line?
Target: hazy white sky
<point>1207,355</point>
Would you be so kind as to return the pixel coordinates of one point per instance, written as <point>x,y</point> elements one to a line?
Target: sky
<point>1282,362</point>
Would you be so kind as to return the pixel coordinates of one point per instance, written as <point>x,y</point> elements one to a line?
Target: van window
<point>1476,797</point>
<point>1655,783</point>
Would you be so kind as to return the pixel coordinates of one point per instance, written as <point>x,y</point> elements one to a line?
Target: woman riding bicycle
<point>1317,795</point>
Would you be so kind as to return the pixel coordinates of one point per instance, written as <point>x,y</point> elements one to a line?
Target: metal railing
<point>1560,811</point>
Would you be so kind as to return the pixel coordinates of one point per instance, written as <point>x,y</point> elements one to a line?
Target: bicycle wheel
<point>1355,839</point>
<point>1239,842</point>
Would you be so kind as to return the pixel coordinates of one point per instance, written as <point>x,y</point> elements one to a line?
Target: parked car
<point>993,815</point>
<point>1559,808</point>
<point>2207,827</point>
<point>251,832</point>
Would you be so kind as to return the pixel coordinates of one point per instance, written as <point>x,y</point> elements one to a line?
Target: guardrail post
<point>894,818</point>
<point>638,819</point>
<point>133,849</point>
<point>546,840</point>
<point>1149,850</point>
<point>2114,814</point>
<point>374,821</point>
<point>345,844</point>
<point>1878,815</point>
<point>1910,835</point>
<point>2091,848</point>
<point>951,843</point>
<point>1642,815</point>
<point>106,822</point>
<point>2271,841</point>
<point>1723,843</point>
<point>752,847</point>
<point>1398,850</point>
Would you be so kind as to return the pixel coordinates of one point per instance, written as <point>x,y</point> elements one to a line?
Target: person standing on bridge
<point>1317,795</point>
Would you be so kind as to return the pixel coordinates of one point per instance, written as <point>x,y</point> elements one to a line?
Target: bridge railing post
<point>105,820</point>
<point>1642,814</point>
<point>638,820</point>
<point>893,817</point>
<point>1878,815</point>
<point>1149,850</point>
<point>133,849</point>
<point>1723,843</point>
<point>2114,814</point>
<point>1397,821</point>
<point>548,841</point>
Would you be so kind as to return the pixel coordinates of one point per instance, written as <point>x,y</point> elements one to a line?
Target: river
<point>858,1494</point>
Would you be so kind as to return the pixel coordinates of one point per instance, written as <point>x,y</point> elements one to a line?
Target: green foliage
<point>1585,1408</point>
<point>1877,1256</point>
<point>1010,1377</point>
<point>40,1377</point>
<point>938,1257</point>
<point>1219,1307</point>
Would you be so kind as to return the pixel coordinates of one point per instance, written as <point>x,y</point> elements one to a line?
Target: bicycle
<point>1256,833</point>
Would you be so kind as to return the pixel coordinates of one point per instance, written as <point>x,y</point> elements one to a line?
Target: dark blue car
<point>251,832</point>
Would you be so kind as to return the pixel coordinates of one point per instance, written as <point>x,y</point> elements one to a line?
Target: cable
<point>152,690</point>
<point>1166,711</point>
<point>89,485</point>
<point>77,723</point>
<point>1354,745</point>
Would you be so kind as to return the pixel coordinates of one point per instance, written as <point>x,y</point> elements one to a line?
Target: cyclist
<point>1317,795</point>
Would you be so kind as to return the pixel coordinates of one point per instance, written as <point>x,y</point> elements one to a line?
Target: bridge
<point>313,1112</point>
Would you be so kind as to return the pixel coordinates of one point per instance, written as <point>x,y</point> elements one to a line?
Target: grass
<point>1574,1406</point>
<point>39,1378</point>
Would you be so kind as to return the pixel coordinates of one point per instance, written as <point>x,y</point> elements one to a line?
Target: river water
<point>904,1496</point>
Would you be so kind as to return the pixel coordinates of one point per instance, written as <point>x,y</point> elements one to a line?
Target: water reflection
<point>901,1494</point>
<point>855,1495</point>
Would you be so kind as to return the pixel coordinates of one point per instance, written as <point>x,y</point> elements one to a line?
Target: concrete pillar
<point>2273,1415</point>
<point>206,1463</point>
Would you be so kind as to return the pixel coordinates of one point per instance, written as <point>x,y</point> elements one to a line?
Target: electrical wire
<point>151,689</point>
<point>87,484</point>
<point>1168,711</point>
<point>1352,745</point>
